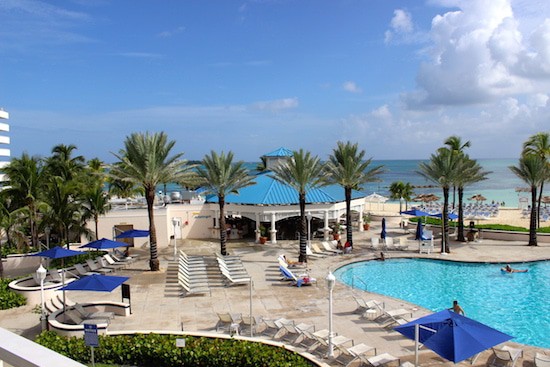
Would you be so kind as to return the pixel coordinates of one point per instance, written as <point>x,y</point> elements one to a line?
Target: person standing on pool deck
<point>457,309</point>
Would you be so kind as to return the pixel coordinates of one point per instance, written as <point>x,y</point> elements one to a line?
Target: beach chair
<point>54,276</point>
<point>505,356</point>
<point>375,243</point>
<point>302,279</point>
<point>310,253</point>
<point>293,333</point>
<point>379,360</point>
<point>542,360</point>
<point>273,326</point>
<point>403,244</point>
<point>349,355</point>
<point>250,323</point>
<point>326,245</point>
<point>113,263</point>
<point>337,340</point>
<point>92,315</point>
<point>82,271</point>
<point>228,320</point>
<point>97,267</point>
<point>389,245</point>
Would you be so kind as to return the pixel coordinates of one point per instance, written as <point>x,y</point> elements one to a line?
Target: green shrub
<point>8,298</point>
<point>160,350</point>
<point>70,261</point>
<point>478,225</point>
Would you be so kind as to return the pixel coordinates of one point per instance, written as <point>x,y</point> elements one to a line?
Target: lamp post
<point>41,274</point>
<point>331,280</point>
<point>309,216</point>
<point>175,222</point>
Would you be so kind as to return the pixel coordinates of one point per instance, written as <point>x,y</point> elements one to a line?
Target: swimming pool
<point>517,304</point>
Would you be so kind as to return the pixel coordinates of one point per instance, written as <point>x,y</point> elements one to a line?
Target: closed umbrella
<point>452,336</point>
<point>383,232</point>
<point>418,234</point>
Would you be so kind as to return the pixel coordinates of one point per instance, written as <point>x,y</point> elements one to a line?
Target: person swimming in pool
<point>509,269</point>
<point>457,309</point>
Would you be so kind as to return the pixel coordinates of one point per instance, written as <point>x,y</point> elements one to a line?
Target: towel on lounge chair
<point>302,279</point>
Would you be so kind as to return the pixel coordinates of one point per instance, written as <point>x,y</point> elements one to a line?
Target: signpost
<point>180,343</point>
<point>90,338</point>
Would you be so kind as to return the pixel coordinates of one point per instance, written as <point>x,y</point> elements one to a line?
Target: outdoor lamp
<point>331,280</point>
<point>41,275</point>
<point>175,223</point>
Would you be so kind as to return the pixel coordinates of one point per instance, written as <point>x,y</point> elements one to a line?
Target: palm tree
<point>471,172</point>
<point>146,161</point>
<point>533,170</point>
<point>400,190</point>
<point>63,164</point>
<point>347,168</point>
<point>26,183</point>
<point>442,170</point>
<point>96,203</point>
<point>302,172</point>
<point>454,143</point>
<point>539,144</point>
<point>222,177</point>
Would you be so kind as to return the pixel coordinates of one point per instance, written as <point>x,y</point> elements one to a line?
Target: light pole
<point>175,222</point>
<point>331,280</point>
<point>309,216</point>
<point>41,274</point>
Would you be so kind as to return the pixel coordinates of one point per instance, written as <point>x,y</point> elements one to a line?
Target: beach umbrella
<point>58,252</point>
<point>418,233</point>
<point>132,233</point>
<point>415,213</point>
<point>478,197</point>
<point>96,283</point>
<point>452,336</point>
<point>104,244</point>
<point>383,233</point>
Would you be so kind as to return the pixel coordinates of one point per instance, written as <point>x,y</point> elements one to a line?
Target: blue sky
<point>396,76</point>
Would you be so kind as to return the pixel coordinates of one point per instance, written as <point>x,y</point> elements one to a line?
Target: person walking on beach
<point>457,309</point>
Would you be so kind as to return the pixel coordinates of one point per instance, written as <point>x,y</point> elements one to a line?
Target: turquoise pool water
<point>517,304</point>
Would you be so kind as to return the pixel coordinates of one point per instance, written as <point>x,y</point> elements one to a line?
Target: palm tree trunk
<point>454,196</point>
<point>460,237</point>
<point>154,263</point>
<point>96,220</point>
<point>539,203</point>
<point>303,232</point>
<point>349,234</point>
<point>533,219</point>
<point>223,230</point>
<point>445,219</point>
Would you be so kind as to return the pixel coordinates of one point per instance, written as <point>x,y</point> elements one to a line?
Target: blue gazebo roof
<point>281,152</point>
<point>268,191</point>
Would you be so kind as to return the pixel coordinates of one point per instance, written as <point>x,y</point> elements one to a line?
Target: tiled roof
<point>281,152</point>
<point>269,191</point>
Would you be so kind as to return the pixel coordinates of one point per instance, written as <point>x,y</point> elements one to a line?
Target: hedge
<point>160,350</point>
<point>8,298</point>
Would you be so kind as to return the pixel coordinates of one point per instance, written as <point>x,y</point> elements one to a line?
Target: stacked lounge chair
<point>192,276</point>
<point>233,270</point>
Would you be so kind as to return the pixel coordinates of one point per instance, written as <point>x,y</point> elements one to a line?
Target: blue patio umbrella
<point>132,233</point>
<point>451,216</point>
<point>96,283</point>
<point>58,252</point>
<point>418,234</point>
<point>452,336</point>
<point>104,244</point>
<point>383,233</point>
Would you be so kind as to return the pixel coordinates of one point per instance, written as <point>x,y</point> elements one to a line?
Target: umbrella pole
<point>416,337</point>
<point>63,283</point>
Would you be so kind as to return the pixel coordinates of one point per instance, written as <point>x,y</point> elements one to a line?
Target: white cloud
<point>276,105</point>
<point>478,54</point>
<point>402,21</point>
<point>402,29</point>
<point>171,32</point>
<point>351,87</point>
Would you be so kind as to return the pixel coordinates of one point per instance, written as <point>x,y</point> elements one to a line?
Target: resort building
<point>4,141</point>
<point>268,208</point>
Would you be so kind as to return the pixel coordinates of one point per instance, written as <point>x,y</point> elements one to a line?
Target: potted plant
<point>263,234</point>
<point>366,221</point>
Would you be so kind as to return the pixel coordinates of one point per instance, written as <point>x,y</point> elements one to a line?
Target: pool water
<point>517,304</point>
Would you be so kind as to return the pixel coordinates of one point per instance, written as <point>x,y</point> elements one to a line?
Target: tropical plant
<point>470,173</point>
<point>303,172</point>
<point>539,144</point>
<point>96,203</point>
<point>442,170</point>
<point>146,161</point>
<point>25,189</point>
<point>533,170</point>
<point>400,190</point>
<point>455,144</point>
<point>221,177</point>
<point>348,168</point>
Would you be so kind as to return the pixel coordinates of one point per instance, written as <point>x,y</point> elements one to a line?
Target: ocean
<point>500,185</point>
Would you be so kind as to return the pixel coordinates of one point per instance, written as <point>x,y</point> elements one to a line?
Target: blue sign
<point>90,335</point>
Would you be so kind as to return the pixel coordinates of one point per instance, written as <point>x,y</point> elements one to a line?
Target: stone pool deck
<point>156,304</point>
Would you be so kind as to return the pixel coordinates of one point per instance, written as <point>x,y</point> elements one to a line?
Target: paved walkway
<point>156,306</point>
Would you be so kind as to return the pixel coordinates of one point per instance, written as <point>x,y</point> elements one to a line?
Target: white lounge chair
<point>97,267</point>
<point>82,271</point>
<point>505,356</point>
<point>349,355</point>
<point>327,246</point>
